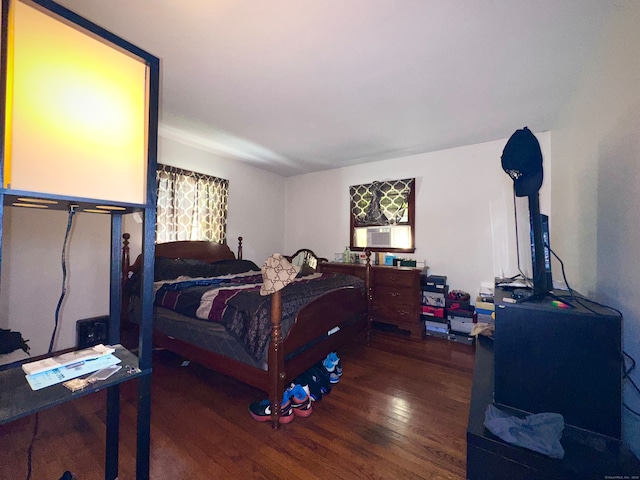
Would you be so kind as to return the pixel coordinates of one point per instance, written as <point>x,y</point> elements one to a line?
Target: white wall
<point>596,188</point>
<point>464,209</point>
<point>31,282</point>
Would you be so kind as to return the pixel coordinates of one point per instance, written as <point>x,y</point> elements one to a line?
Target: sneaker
<point>323,375</point>
<point>331,370</point>
<point>301,401</point>
<point>335,360</point>
<point>261,411</point>
<point>311,381</point>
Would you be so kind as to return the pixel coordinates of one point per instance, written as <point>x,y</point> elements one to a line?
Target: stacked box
<point>434,283</point>
<point>431,311</point>
<point>461,317</point>
<point>433,333</point>
<point>434,299</point>
<point>434,295</point>
<point>461,338</point>
<point>435,319</point>
<point>434,290</point>
<point>485,309</point>
<point>436,327</point>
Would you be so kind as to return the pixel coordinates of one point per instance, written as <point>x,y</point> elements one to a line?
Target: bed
<point>263,341</point>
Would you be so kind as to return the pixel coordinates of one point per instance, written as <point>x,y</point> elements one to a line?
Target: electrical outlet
<point>92,331</point>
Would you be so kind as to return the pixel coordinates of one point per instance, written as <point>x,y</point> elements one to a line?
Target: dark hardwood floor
<point>399,412</point>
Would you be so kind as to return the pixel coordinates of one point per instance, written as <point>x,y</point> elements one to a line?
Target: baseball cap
<point>522,160</point>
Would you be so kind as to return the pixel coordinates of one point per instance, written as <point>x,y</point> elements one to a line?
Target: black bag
<point>10,341</point>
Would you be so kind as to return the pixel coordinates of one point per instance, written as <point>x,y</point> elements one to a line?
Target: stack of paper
<point>50,371</point>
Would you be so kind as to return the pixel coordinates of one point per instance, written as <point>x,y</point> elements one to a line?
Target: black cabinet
<point>588,455</point>
<point>552,357</point>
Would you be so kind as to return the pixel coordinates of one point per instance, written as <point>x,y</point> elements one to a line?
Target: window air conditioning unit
<point>378,237</point>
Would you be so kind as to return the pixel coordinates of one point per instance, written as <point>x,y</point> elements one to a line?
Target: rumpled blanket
<point>237,304</point>
<point>540,432</point>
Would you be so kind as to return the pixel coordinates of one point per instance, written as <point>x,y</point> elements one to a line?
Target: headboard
<point>304,256</point>
<point>192,249</point>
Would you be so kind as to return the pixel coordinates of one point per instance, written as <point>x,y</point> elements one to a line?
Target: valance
<point>381,203</point>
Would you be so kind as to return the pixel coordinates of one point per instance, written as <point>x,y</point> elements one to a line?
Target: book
<point>68,372</point>
<point>65,359</point>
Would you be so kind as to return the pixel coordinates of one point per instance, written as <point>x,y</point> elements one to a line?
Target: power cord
<point>72,211</point>
<point>584,303</point>
<point>626,376</point>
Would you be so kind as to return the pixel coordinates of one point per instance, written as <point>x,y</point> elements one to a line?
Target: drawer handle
<point>395,294</point>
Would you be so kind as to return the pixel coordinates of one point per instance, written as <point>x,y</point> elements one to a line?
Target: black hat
<point>522,160</point>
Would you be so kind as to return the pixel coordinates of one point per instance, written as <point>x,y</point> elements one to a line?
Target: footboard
<point>319,328</point>
<point>326,317</point>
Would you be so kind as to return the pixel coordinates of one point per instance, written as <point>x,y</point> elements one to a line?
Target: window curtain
<point>190,206</point>
<point>380,203</point>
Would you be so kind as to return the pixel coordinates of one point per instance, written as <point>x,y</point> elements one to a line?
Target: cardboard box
<point>431,311</point>
<point>436,327</point>
<point>461,338</point>
<point>435,299</point>
<point>437,334</point>
<point>457,305</point>
<point>461,325</point>
<point>435,283</point>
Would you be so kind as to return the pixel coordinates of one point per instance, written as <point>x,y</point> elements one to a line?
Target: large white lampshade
<point>77,108</point>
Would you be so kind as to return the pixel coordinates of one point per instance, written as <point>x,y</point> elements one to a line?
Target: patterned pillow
<point>277,273</point>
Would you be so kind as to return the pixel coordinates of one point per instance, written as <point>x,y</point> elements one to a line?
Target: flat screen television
<point>540,248</point>
<point>533,247</point>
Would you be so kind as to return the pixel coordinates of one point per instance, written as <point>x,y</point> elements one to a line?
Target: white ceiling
<point>295,86</point>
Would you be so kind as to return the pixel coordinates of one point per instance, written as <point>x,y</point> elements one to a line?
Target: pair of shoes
<point>301,402</point>
<point>261,411</point>
<point>316,381</point>
<point>333,366</point>
<point>334,359</point>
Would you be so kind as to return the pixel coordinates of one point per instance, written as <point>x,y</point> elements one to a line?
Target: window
<point>383,216</point>
<point>191,206</point>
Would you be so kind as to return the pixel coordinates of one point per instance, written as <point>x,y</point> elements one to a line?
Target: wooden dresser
<point>395,293</point>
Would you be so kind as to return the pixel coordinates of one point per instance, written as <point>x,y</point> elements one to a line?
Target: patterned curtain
<point>191,206</point>
<point>380,203</point>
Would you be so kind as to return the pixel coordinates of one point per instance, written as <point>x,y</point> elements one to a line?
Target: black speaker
<point>92,331</point>
<point>550,358</point>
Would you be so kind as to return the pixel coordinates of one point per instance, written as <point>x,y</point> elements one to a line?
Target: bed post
<point>276,360</point>
<point>126,264</point>
<point>239,248</point>
<point>369,293</point>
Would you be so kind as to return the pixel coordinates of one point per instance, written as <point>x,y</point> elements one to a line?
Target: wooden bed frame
<point>337,308</point>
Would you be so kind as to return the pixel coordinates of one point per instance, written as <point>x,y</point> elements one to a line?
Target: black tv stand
<point>588,455</point>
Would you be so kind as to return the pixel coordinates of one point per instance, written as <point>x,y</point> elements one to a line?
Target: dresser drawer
<point>396,277</point>
<point>344,268</point>
<point>396,295</point>
<point>392,313</point>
